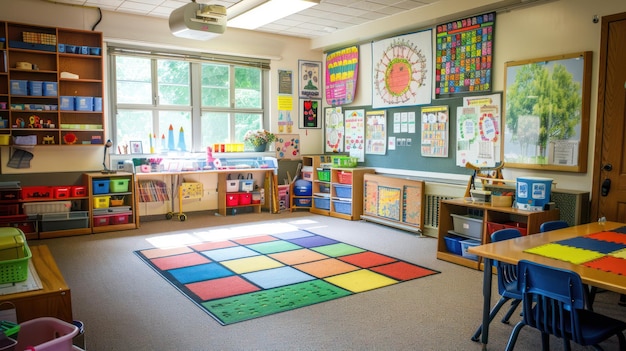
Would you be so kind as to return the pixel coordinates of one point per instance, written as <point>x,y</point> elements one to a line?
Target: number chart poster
<point>464,56</point>
<point>402,70</point>
<point>355,133</point>
<point>341,75</point>
<point>435,131</point>
<point>479,131</point>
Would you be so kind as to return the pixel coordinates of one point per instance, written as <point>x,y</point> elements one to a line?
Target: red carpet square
<point>609,264</point>
<point>609,236</point>
<point>402,271</point>
<point>367,259</point>
<point>222,287</point>
<point>178,261</point>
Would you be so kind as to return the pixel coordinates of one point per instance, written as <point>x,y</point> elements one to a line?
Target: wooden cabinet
<point>48,96</point>
<point>231,201</point>
<point>394,201</point>
<point>344,187</point>
<point>112,202</point>
<point>484,214</point>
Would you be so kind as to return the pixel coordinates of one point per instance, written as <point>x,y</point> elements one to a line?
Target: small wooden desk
<point>512,251</point>
<point>54,300</point>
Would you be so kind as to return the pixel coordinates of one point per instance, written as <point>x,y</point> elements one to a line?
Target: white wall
<point>550,28</point>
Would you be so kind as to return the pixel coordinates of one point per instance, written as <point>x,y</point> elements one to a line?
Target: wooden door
<point>610,155</point>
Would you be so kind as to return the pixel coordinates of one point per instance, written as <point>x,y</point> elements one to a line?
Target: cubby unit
<point>38,73</point>
<point>298,201</point>
<point>231,198</point>
<point>112,202</point>
<point>475,221</point>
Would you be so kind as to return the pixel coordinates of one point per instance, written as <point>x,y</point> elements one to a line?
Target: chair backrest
<point>507,273</point>
<point>552,225</point>
<point>551,299</point>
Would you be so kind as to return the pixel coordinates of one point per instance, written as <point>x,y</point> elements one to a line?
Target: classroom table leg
<point>487,277</point>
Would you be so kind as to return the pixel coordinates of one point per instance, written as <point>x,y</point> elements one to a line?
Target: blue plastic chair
<point>552,225</point>
<point>507,281</point>
<point>553,302</point>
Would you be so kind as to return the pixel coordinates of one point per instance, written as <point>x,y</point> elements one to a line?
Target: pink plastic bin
<point>46,334</point>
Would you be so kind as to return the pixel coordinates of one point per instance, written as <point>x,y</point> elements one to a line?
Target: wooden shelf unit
<point>222,193</point>
<point>307,161</point>
<point>462,206</point>
<point>129,199</point>
<point>54,126</point>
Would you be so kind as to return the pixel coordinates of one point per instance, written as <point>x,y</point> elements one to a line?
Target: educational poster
<point>310,79</point>
<point>389,202</point>
<point>370,205</point>
<point>464,51</point>
<point>355,133</point>
<point>402,70</point>
<point>412,201</point>
<point>435,132</point>
<point>310,114</point>
<point>285,105</point>
<point>479,131</point>
<point>334,129</point>
<point>285,82</point>
<point>376,132</point>
<point>287,146</point>
<point>341,75</point>
<point>404,122</point>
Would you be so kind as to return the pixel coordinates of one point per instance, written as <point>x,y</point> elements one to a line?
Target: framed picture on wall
<point>136,147</point>
<point>546,119</point>
<point>310,80</point>
<point>310,113</point>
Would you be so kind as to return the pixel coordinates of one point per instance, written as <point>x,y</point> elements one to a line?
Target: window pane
<point>133,80</point>
<point>215,85</point>
<point>133,125</point>
<point>247,87</point>
<point>176,138</point>
<point>245,122</point>
<point>215,128</point>
<point>173,78</point>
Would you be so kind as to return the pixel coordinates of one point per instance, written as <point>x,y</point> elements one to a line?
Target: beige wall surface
<point>545,28</point>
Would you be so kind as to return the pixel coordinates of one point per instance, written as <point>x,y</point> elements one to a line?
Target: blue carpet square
<point>272,278</point>
<point>200,272</point>
<point>582,242</point>
<point>229,253</point>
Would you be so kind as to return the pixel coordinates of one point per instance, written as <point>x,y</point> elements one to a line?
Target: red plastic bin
<point>78,191</point>
<point>245,198</point>
<point>493,226</point>
<point>100,221</point>
<point>37,192</point>
<point>232,199</point>
<point>344,177</point>
<point>61,192</point>
<point>120,218</point>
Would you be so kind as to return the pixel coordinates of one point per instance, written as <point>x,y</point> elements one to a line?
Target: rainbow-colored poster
<point>341,75</point>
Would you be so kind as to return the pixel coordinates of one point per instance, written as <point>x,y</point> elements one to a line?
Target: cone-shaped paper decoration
<point>170,138</point>
<point>181,140</point>
<point>163,145</point>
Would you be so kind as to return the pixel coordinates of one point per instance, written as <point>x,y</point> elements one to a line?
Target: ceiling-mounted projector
<point>198,21</point>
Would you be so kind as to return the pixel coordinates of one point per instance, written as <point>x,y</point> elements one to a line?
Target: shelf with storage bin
<point>347,192</point>
<point>321,184</point>
<point>112,201</point>
<point>462,220</point>
<point>230,196</point>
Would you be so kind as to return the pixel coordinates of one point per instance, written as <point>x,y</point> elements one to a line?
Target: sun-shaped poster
<point>402,74</point>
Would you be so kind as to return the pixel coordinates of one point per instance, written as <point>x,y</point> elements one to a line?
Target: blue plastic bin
<point>101,186</point>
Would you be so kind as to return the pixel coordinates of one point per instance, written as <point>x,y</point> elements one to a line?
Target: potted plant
<point>258,139</point>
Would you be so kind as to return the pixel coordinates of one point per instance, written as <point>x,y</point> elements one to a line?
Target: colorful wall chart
<point>435,131</point>
<point>341,75</point>
<point>334,129</point>
<point>402,73</point>
<point>355,133</point>
<point>479,131</point>
<point>464,54</point>
<point>376,132</point>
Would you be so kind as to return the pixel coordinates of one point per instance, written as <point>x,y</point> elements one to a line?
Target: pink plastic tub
<point>46,334</point>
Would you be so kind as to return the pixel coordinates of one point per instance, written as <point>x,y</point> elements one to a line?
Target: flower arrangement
<point>259,137</point>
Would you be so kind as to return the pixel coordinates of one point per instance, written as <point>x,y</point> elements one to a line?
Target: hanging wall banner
<point>402,70</point>
<point>341,75</point>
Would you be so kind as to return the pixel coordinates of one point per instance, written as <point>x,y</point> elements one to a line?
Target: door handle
<point>606,186</point>
<point>607,167</point>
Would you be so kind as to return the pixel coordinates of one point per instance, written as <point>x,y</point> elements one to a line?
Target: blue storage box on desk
<point>101,186</point>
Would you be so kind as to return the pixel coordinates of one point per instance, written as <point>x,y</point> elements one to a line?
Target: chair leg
<point>545,341</point>
<point>591,296</point>
<point>508,315</point>
<point>514,334</point>
<point>492,315</point>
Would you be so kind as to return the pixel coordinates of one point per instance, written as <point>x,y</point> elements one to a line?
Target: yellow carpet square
<point>361,280</point>
<point>251,264</point>
<point>621,253</point>
<point>565,253</point>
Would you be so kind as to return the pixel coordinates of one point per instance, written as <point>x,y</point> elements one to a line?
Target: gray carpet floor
<point>125,305</point>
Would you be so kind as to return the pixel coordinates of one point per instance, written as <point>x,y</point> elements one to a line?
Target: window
<point>185,103</point>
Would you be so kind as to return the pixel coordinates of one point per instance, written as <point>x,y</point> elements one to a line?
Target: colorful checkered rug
<point>605,251</point>
<point>240,279</point>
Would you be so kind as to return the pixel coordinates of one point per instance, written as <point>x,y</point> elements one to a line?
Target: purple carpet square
<point>293,235</point>
<point>229,253</point>
<point>272,278</point>
<point>200,272</point>
<point>313,241</point>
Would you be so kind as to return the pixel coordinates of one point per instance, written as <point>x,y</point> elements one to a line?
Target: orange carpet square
<point>297,256</point>
<point>326,268</point>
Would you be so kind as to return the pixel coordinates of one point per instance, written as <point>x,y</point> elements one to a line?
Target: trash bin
<point>46,334</point>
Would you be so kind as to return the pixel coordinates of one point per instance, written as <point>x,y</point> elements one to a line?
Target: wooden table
<point>512,251</point>
<point>54,300</point>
